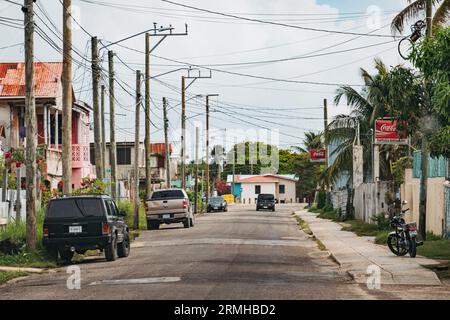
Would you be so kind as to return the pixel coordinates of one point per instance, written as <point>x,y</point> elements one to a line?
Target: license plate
<point>166,216</point>
<point>216,208</point>
<point>265,207</point>
<point>75,229</point>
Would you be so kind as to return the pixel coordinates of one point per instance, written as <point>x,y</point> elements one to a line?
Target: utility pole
<point>148,169</point>
<point>424,147</point>
<point>207,145</point>
<point>166,140</point>
<point>183,132</point>
<point>30,107</point>
<point>183,120</point>
<point>99,170</point>
<point>325,129</point>
<point>102,103</point>
<point>112,126</point>
<point>136,151</point>
<point>196,169</point>
<point>67,99</point>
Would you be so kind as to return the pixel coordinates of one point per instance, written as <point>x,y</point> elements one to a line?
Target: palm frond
<point>412,10</point>
<point>442,14</point>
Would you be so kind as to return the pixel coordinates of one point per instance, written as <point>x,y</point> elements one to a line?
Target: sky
<point>251,95</point>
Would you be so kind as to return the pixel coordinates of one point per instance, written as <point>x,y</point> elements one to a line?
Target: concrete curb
<point>20,269</point>
<point>356,255</point>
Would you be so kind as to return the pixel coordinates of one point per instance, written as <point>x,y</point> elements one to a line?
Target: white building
<point>248,187</point>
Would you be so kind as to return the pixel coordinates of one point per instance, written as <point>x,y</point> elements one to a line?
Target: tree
<point>431,57</point>
<point>416,8</point>
<point>372,102</point>
<point>312,141</point>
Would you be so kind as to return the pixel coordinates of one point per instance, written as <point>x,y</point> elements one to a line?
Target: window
<point>92,155</point>
<point>123,155</point>
<point>282,189</point>
<point>257,189</point>
<point>111,208</point>
<point>168,194</point>
<point>75,208</point>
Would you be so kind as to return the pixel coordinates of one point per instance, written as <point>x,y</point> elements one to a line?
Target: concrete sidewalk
<point>355,254</point>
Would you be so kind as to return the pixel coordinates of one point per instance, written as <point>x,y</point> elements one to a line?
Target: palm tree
<point>415,8</point>
<point>371,103</point>
<point>312,141</point>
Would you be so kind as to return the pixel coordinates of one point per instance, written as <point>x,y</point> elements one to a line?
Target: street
<point>240,254</point>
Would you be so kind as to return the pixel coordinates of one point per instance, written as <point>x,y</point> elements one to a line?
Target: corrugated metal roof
<point>47,79</point>
<point>259,179</point>
<point>159,148</point>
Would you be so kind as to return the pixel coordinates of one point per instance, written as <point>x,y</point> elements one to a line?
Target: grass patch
<point>34,259</point>
<point>442,270</point>
<point>435,249</point>
<point>5,276</point>
<point>304,225</point>
<point>381,237</point>
<point>320,245</point>
<point>331,215</point>
<point>314,209</point>
<point>361,228</point>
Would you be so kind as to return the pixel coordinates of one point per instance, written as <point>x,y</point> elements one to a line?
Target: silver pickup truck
<point>168,206</point>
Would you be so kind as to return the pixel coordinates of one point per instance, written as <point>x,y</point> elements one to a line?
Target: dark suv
<point>78,224</point>
<point>265,201</point>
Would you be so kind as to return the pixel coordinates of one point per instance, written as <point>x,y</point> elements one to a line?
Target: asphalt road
<point>241,254</point>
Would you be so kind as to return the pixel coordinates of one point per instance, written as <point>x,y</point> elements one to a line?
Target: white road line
<point>136,281</point>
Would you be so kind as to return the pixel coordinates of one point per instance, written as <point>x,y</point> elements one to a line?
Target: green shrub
<point>321,198</point>
<point>382,222</point>
<point>16,231</point>
<point>128,207</point>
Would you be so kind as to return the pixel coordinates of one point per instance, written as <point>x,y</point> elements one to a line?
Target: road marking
<point>216,241</point>
<point>136,281</point>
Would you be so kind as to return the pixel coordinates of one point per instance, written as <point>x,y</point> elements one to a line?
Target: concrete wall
<point>369,200</point>
<point>248,190</point>
<point>410,191</point>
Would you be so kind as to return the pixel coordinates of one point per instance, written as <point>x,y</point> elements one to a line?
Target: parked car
<point>78,224</point>
<point>265,201</point>
<point>168,206</point>
<point>217,204</point>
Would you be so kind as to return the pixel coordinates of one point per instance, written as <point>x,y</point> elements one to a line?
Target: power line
<point>277,23</point>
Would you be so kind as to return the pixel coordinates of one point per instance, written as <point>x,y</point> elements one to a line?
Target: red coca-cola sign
<point>317,155</point>
<point>386,132</point>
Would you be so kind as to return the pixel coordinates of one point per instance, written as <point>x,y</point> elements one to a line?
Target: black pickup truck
<point>81,223</point>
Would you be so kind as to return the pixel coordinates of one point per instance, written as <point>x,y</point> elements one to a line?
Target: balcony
<point>80,156</point>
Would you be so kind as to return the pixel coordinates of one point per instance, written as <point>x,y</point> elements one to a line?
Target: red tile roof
<point>47,79</point>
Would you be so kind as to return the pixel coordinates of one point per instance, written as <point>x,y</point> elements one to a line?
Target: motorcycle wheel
<point>393,242</point>
<point>412,248</point>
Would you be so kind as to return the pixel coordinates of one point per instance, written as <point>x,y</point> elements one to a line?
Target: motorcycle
<point>405,238</point>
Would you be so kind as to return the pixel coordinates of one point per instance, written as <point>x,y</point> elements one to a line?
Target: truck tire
<point>111,249</point>
<point>123,248</point>
<point>152,225</point>
<point>187,223</point>
<point>66,255</point>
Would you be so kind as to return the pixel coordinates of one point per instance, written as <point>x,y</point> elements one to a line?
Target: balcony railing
<point>80,156</point>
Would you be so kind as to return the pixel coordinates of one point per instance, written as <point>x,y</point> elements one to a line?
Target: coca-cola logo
<point>388,127</point>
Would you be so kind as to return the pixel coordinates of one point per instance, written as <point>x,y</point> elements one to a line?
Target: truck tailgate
<point>165,206</point>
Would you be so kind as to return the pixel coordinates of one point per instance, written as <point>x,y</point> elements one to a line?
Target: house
<point>248,187</point>
<point>125,163</point>
<point>48,95</point>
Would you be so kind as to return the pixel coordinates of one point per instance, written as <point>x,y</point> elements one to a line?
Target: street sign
<point>386,132</point>
<point>317,155</point>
